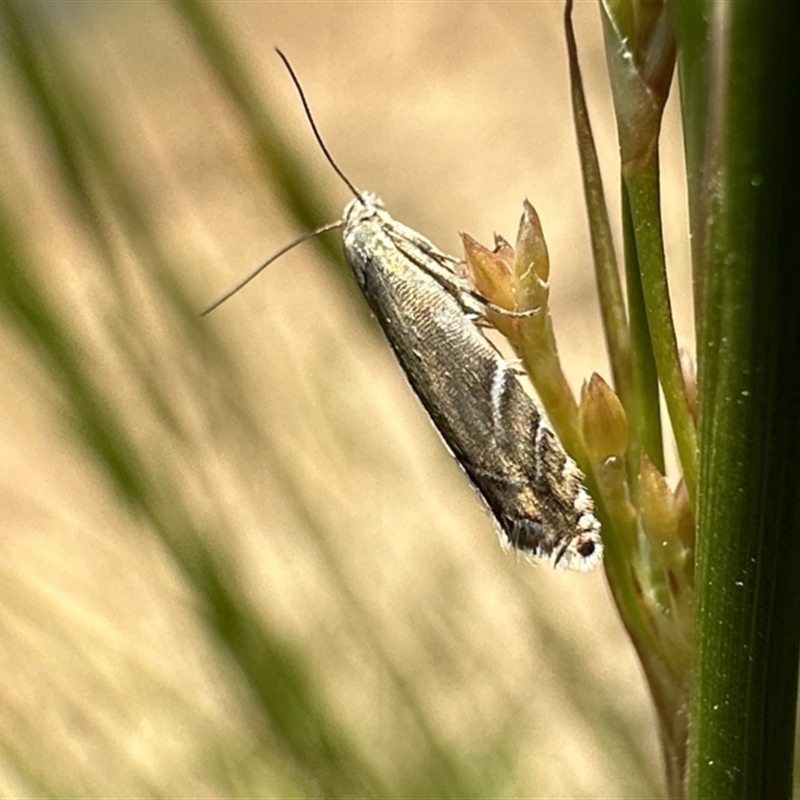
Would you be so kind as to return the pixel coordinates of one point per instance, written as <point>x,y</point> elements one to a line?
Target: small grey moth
<point>492,426</point>
<point>429,313</point>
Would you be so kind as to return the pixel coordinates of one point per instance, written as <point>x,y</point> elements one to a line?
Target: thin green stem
<point>644,415</point>
<point>609,287</point>
<point>642,182</point>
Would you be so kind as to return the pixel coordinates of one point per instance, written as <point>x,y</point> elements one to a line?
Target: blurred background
<point>235,558</point>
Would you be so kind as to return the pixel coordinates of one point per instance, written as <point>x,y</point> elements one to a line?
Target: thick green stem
<point>744,682</point>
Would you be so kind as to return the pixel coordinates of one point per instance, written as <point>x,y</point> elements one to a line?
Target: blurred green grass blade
<point>104,432</point>
<point>269,666</point>
<point>27,303</point>
<point>305,727</point>
<point>102,195</point>
<point>311,737</point>
<point>744,684</point>
<point>294,178</point>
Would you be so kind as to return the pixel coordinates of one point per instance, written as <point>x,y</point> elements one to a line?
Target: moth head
<point>361,207</point>
<point>371,200</point>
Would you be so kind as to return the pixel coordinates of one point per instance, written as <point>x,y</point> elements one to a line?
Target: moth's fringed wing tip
<point>582,552</point>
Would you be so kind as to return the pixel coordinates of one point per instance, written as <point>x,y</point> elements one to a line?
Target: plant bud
<point>512,278</point>
<point>602,420</point>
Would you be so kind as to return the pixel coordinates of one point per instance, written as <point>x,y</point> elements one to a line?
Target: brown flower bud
<point>512,278</point>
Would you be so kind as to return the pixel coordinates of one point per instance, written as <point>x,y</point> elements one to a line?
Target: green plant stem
<point>744,685</point>
<point>644,414</point>
<point>642,183</point>
<point>670,692</point>
<point>695,98</point>
<point>609,287</point>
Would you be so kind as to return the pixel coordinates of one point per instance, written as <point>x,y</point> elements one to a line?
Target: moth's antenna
<point>329,227</point>
<point>242,283</point>
<point>314,126</point>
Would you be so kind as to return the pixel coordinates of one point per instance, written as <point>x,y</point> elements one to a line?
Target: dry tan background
<point>452,112</point>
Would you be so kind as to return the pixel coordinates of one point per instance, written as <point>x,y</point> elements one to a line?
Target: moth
<point>430,315</point>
